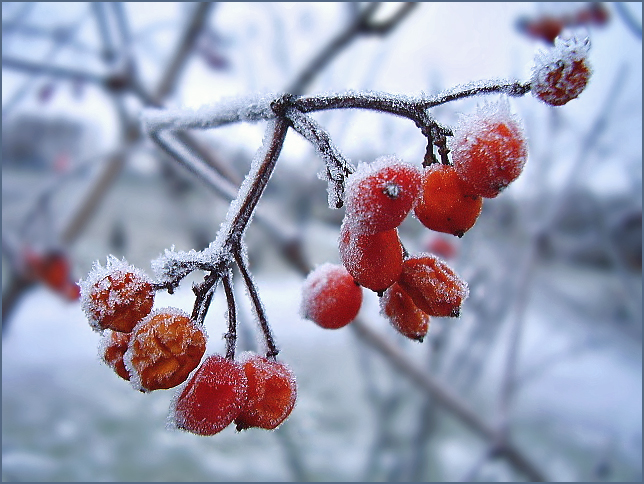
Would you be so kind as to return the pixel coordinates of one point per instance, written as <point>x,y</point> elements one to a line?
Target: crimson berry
<point>165,347</point>
<point>330,296</point>
<point>443,206</point>
<point>271,394</point>
<point>379,195</point>
<point>562,73</point>
<point>112,348</point>
<point>434,286</point>
<point>213,397</point>
<point>489,150</point>
<point>374,260</point>
<point>116,297</point>
<point>403,314</point>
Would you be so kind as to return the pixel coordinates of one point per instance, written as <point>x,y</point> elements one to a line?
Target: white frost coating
<point>316,283</point>
<point>229,110</point>
<point>568,47</point>
<point>98,275</point>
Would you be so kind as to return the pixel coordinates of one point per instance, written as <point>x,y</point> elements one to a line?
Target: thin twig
<point>231,336</point>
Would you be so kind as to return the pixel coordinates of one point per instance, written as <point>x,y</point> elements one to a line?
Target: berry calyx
<point>271,394</point>
<point>164,348</point>
<point>489,150</point>
<point>213,397</point>
<point>433,286</point>
<point>112,350</point>
<point>443,206</point>
<point>562,73</point>
<point>374,260</point>
<point>116,297</point>
<point>403,314</point>
<point>379,195</point>
<point>330,296</point>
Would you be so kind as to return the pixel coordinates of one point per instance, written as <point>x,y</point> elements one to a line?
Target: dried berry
<point>271,394</point>
<point>112,349</point>
<point>165,347</point>
<point>434,287</point>
<point>403,314</point>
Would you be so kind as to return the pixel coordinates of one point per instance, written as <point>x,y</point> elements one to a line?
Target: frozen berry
<point>165,347</point>
<point>434,287</point>
<point>330,296</point>
<point>213,397</point>
<point>443,206</point>
<point>116,297</point>
<point>489,150</point>
<point>403,314</point>
<point>112,349</point>
<point>271,394</point>
<point>562,73</point>
<point>379,195</point>
<point>374,260</point>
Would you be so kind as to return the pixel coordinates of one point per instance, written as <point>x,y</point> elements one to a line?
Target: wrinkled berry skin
<point>433,286</point>
<point>271,395</point>
<point>213,398</point>
<point>403,314</point>
<point>113,348</point>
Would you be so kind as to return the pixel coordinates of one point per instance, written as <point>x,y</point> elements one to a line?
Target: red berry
<point>434,287</point>
<point>441,247</point>
<point>213,398</point>
<point>562,73</point>
<point>330,296</point>
<point>116,297</point>
<point>403,314</point>
<point>379,195</point>
<point>489,150</point>
<point>165,347</point>
<point>271,394</point>
<point>443,206</point>
<point>112,349</point>
<point>374,260</point>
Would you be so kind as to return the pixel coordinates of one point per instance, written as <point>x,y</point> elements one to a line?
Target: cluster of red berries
<point>488,153</point>
<point>51,268</point>
<point>159,349</point>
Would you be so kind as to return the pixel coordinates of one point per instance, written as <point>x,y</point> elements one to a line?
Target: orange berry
<point>213,398</point>
<point>403,314</point>
<point>271,394</point>
<point>165,347</point>
<point>112,349</point>
<point>561,74</point>
<point>116,297</point>
<point>374,260</point>
<point>443,206</point>
<point>489,150</point>
<point>330,296</point>
<point>434,287</point>
<point>379,195</point>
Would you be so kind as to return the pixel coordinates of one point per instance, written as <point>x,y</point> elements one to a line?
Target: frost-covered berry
<point>561,73</point>
<point>374,260</point>
<point>434,286</point>
<point>443,206</point>
<point>112,349</point>
<point>379,195</point>
<point>489,149</point>
<point>330,296</point>
<point>403,314</point>
<point>271,395</point>
<point>164,348</point>
<point>117,296</point>
<point>213,397</point>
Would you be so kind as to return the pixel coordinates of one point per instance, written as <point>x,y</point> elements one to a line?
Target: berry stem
<point>271,348</point>
<point>231,335</point>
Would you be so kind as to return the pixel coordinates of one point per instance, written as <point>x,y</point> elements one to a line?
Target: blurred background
<point>540,377</point>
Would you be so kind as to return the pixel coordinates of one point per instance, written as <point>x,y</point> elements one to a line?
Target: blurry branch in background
<point>362,24</point>
<point>628,19</point>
